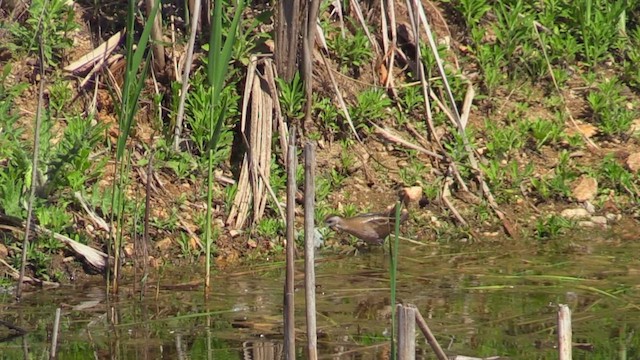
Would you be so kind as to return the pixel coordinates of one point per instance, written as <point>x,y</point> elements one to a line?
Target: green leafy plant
<point>551,226</point>
<point>414,172</point>
<point>292,97</point>
<point>270,228</point>
<point>327,114</point>
<point>371,106</point>
<point>597,26</point>
<point>198,116</point>
<point>473,11</point>
<point>609,108</point>
<point>503,140</point>
<point>411,98</point>
<point>556,185</point>
<point>351,51</point>
<point>545,132</point>
<point>54,21</point>
<point>613,175</point>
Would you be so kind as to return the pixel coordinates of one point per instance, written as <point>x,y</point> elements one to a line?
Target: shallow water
<point>484,299</point>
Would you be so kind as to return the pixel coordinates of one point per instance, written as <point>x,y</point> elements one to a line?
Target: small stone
<point>128,250</point>
<point>587,130</point>
<point>576,213</point>
<point>589,207</point>
<point>163,244</point>
<point>252,244</point>
<point>585,188</point>
<point>235,233</point>
<point>635,126</point>
<point>613,217</point>
<point>194,242</point>
<point>412,194</point>
<point>586,224</point>
<point>599,220</point>
<point>154,263</point>
<point>4,252</point>
<point>633,162</point>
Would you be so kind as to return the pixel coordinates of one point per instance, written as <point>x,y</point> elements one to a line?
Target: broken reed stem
<point>289,321</point>
<point>406,332</point>
<point>54,336</point>
<point>564,333</point>
<point>431,339</point>
<point>156,34</point>
<point>310,22</point>
<point>309,249</point>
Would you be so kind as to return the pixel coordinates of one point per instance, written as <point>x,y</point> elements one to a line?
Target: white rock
<point>589,207</point>
<point>576,213</point>
<point>611,217</point>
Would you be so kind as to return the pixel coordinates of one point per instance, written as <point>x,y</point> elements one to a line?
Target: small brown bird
<point>372,228</point>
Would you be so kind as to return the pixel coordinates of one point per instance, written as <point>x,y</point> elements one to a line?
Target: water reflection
<point>480,300</point>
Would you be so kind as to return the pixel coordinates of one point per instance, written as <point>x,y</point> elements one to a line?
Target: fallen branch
<point>95,258</point>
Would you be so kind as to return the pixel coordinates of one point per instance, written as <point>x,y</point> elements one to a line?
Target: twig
<point>431,339</point>
<point>13,327</point>
<point>15,274</point>
<point>100,222</point>
<point>445,198</point>
<point>389,49</point>
<point>341,101</point>
<point>398,140</point>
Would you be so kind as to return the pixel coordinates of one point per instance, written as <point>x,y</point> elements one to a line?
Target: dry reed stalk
<point>431,339</point>
<point>387,134</point>
<point>417,10</point>
<point>195,20</point>
<point>289,305</point>
<point>156,34</point>
<point>564,333</point>
<point>270,75</point>
<point>309,250</point>
<point>341,102</point>
<point>252,186</point>
<point>406,331</point>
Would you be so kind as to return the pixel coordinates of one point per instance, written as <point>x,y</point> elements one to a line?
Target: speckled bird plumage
<point>372,228</point>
